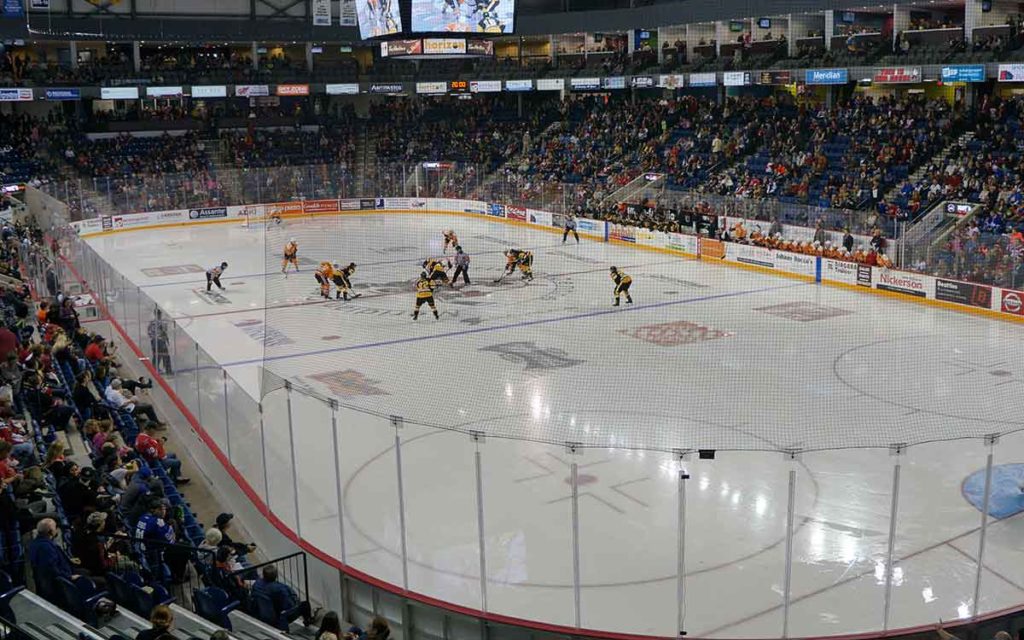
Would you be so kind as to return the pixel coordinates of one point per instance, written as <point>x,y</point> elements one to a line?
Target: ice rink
<point>709,356</point>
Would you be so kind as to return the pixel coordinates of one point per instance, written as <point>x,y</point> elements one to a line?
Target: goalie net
<point>254,216</point>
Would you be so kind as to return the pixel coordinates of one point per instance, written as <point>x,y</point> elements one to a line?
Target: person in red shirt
<point>151,447</point>
<point>94,352</point>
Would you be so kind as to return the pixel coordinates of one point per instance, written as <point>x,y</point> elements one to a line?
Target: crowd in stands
<point>848,156</point>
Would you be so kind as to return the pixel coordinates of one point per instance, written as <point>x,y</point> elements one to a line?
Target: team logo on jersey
<point>536,359</point>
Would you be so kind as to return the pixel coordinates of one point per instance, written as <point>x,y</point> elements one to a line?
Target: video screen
<point>463,16</point>
<point>378,18</point>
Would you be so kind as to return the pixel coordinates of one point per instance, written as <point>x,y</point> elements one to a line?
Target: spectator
<point>153,528</point>
<point>150,446</point>
<point>330,627</point>
<point>131,403</point>
<point>48,561</point>
<point>223,524</point>
<point>162,619</point>
<point>276,603</point>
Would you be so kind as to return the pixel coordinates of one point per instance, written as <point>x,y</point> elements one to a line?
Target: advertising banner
<point>736,78</point>
<point>711,248</point>
<point>386,87</point>
<point>1011,73</point>
<point>444,46</point>
<point>519,85</point>
<point>1012,302</point>
<point>584,84</point>
<point>775,77</point>
<point>320,206</point>
<point>292,90</point>
<point>515,213</point>
<point>480,47</point>
<point>839,271</point>
<point>321,10</point>
<point>348,13</point>
<point>209,91</point>
<point>485,86</point>
<point>910,284</point>
<point>897,75</point>
<point>622,233</point>
<point>164,92</point>
<point>550,84</point>
<point>642,82</point>
<point>207,213</point>
<point>119,93</point>
<point>826,76</point>
<point>350,204</point>
<point>964,73</point>
<point>432,88</point>
<point>342,89</point>
<point>703,80</point>
<point>39,4</point>
<point>864,275</point>
<point>974,295</point>
<point>672,81</point>
<point>614,82</point>
<point>496,210</point>
<point>251,90</point>
<point>63,94</point>
<point>369,203</point>
<point>13,9</point>
<point>401,48</point>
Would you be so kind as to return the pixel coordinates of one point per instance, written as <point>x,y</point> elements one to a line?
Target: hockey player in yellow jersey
<point>424,295</point>
<point>622,283</point>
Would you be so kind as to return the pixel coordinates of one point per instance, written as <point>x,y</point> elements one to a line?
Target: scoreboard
<point>458,86</point>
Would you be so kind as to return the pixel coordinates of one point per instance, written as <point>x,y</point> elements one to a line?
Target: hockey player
<point>342,282</point>
<point>522,259</point>
<point>622,282</point>
<point>570,226</point>
<point>461,266</point>
<point>435,270</point>
<point>323,276</point>
<point>424,295</point>
<point>291,256</point>
<point>450,240</point>
<point>213,276</point>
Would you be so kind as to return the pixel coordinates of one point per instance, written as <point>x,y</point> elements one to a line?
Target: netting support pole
<point>896,450</point>
<point>263,442</point>
<point>681,456</point>
<point>227,413</point>
<point>790,518</point>
<point>138,315</point>
<point>990,442</point>
<point>291,447</point>
<point>573,449</point>
<point>199,402</point>
<point>478,439</point>
<point>337,474</point>
<point>396,422</point>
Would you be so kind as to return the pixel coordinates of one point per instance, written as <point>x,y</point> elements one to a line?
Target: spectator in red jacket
<point>151,447</point>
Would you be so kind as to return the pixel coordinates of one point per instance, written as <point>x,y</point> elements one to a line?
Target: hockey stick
<point>501,277</point>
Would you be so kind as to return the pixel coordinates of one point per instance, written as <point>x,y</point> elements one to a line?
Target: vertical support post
<point>337,474</point>
<point>790,517</point>
<point>897,450</point>
<point>478,438</point>
<point>681,546</point>
<point>574,471</point>
<point>266,474</point>
<point>199,403</point>
<point>291,447</point>
<point>138,317</point>
<point>396,422</point>
<point>990,442</point>
<point>227,414</point>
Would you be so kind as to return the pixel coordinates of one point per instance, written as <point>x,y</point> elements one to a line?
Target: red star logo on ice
<point>348,383</point>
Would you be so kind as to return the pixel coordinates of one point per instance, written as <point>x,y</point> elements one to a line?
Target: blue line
<point>514,325</point>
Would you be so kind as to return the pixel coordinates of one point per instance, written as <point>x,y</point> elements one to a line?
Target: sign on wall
<point>826,76</point>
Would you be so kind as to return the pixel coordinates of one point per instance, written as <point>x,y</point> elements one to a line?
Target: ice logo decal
<point>536,359</point>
